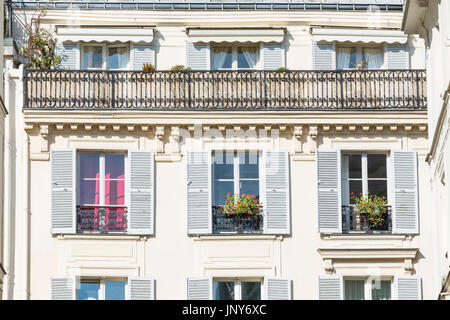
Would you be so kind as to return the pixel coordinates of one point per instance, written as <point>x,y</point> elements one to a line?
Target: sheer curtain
<point>343,58</point>
<point>374,57</point>
<point>219,57</point>
<point>250,56</point>
<point>354,290</point>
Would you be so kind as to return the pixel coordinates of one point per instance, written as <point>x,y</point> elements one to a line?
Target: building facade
<point>430,20</point>
<point>300,107</point>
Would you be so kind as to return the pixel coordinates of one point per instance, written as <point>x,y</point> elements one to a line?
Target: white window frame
<point>368,285</point>
<point>105,48</point>
<point>102,178</point>
<point>102,285</point>
<point>359,50</point>
<point>234,61</point>
<point>364,175</point>
<point>236,172</point>
<point>238,287</point>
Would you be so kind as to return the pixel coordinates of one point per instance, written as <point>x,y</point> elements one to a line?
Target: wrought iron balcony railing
<point>226,90</point>
<point>235,224</point>
<point>352,222</point>
<point>101,219</point>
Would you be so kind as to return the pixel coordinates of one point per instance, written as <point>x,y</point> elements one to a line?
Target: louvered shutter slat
<point>276,206</point>
<point>62,164</point>
<point>199,288</point>
<point>278,289</point>
<point>63,288</point>
<point>141,54</point>
<point>397,57</point>
<point>141,288</point>
<point>199,205</point>
<point>329,191</point>
<point>331,288</point>
<point>273,56</point>
<point>405,211</point>
<point>407,287</point>
<point>141,209</point>
<point>70,55</point>
<point>323,56</point>
<point>197,56</point>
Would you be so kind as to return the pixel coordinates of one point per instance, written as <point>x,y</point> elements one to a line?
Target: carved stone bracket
<point>313,138</point>
<point>329,269</point>
<point>298,135</point>
<point>43,131</point>
<point>175,137</point>
<point>160,139</point>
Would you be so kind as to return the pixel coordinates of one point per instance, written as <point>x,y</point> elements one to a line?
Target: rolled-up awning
<point>106,34</point>
<point>235,34</point>
<point>358,35</point>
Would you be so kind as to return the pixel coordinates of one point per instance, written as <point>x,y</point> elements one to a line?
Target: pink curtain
<point>115,191</point>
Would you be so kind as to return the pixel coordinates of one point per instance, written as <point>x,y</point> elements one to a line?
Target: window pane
<point>354,290</point>
<point>114,166</point>
<point>221,189</point>
<point>89,192</point>
<point>354,166</point>
<point>346,58</point>
<point>89,165</point>
<point>92,57</point>
<point>251,290</point>
<point>246,57</point>
<point>373,57</point>
<point>114,290</point>
<point>88,291</point>
<point>248,165</point>
<point>250,187</point>
<point>377,187</point>
<point>223,290</point>
<point>381,290</point>
<point>117,58</point>
<point>376,165</point>
<point>223,165</point>
<point>222,58</point>
<point>115,192</point>
<point>355,187</point>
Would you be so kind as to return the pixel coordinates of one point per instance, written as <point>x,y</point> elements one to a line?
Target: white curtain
<point>343,58</point>
<point>250,56</point>
<point>374,58</point>
<point>354,290</point>
<point>219,57</point>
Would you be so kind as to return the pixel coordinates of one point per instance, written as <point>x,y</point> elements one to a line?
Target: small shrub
<point>148,67</point>
<point>180,67</point>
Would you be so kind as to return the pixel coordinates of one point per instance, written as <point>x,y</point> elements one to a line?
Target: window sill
<point>214,237</point>
<point>110,236</point>
<point>365,236</point>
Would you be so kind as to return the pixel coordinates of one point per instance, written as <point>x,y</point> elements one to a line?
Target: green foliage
<point>241,205</point>
<point>372,207</point>
<point>283,69</point>
<point>180,67</point>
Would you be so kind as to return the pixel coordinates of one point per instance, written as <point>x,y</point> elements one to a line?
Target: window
<point>101,290</point>
<point>237,290</point>
<point>101,192</point>
<point>351,57</point>
<point>364,173</point>
<point>367,289</point>
<point>110,57</point>
<point>234,57</point>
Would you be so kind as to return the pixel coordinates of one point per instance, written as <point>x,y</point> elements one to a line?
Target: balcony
<point>235,224</point>
<point>356,223</point>
<point>393,90</point>
<point>101,219</point>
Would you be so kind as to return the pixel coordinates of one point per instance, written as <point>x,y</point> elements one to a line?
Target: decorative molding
<point>368,253</point>
<point>43,131</point>
<point>298,135</point>
<point>313,138</point>
<point>160,139</point>
<point>175,137</point>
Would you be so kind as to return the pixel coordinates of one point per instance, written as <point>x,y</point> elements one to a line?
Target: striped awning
<point>358,35</point>
<point>235,34</point>
<point>92,34</point>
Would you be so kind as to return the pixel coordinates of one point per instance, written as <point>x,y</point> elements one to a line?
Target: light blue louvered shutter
<point>199,204</point>
<point>199,288</point>
<point>331,287</point>
<point>63,210</point>
<point>70,56</point>
<point>197,56</point>
<point>141,288</point>
<point>329,191</point>
<point>141,54</point>
<point>276,207</point>
<point>405,217</point>
<point>272,56</point>
<point>397,57</point>
<point>141,211</point>
<point>63,288</point>
<point>278,288</point>
<point>407,287</point>
<point>323,54</point>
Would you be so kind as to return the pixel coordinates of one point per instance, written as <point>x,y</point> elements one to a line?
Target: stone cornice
<point>368,253</point>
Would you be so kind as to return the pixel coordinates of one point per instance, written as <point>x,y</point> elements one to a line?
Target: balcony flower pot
<point>370,211</point>
<point>244,209</point>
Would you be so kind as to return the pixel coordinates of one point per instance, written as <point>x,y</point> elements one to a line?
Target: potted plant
<point>244,209</point>
<point>371,209</point>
